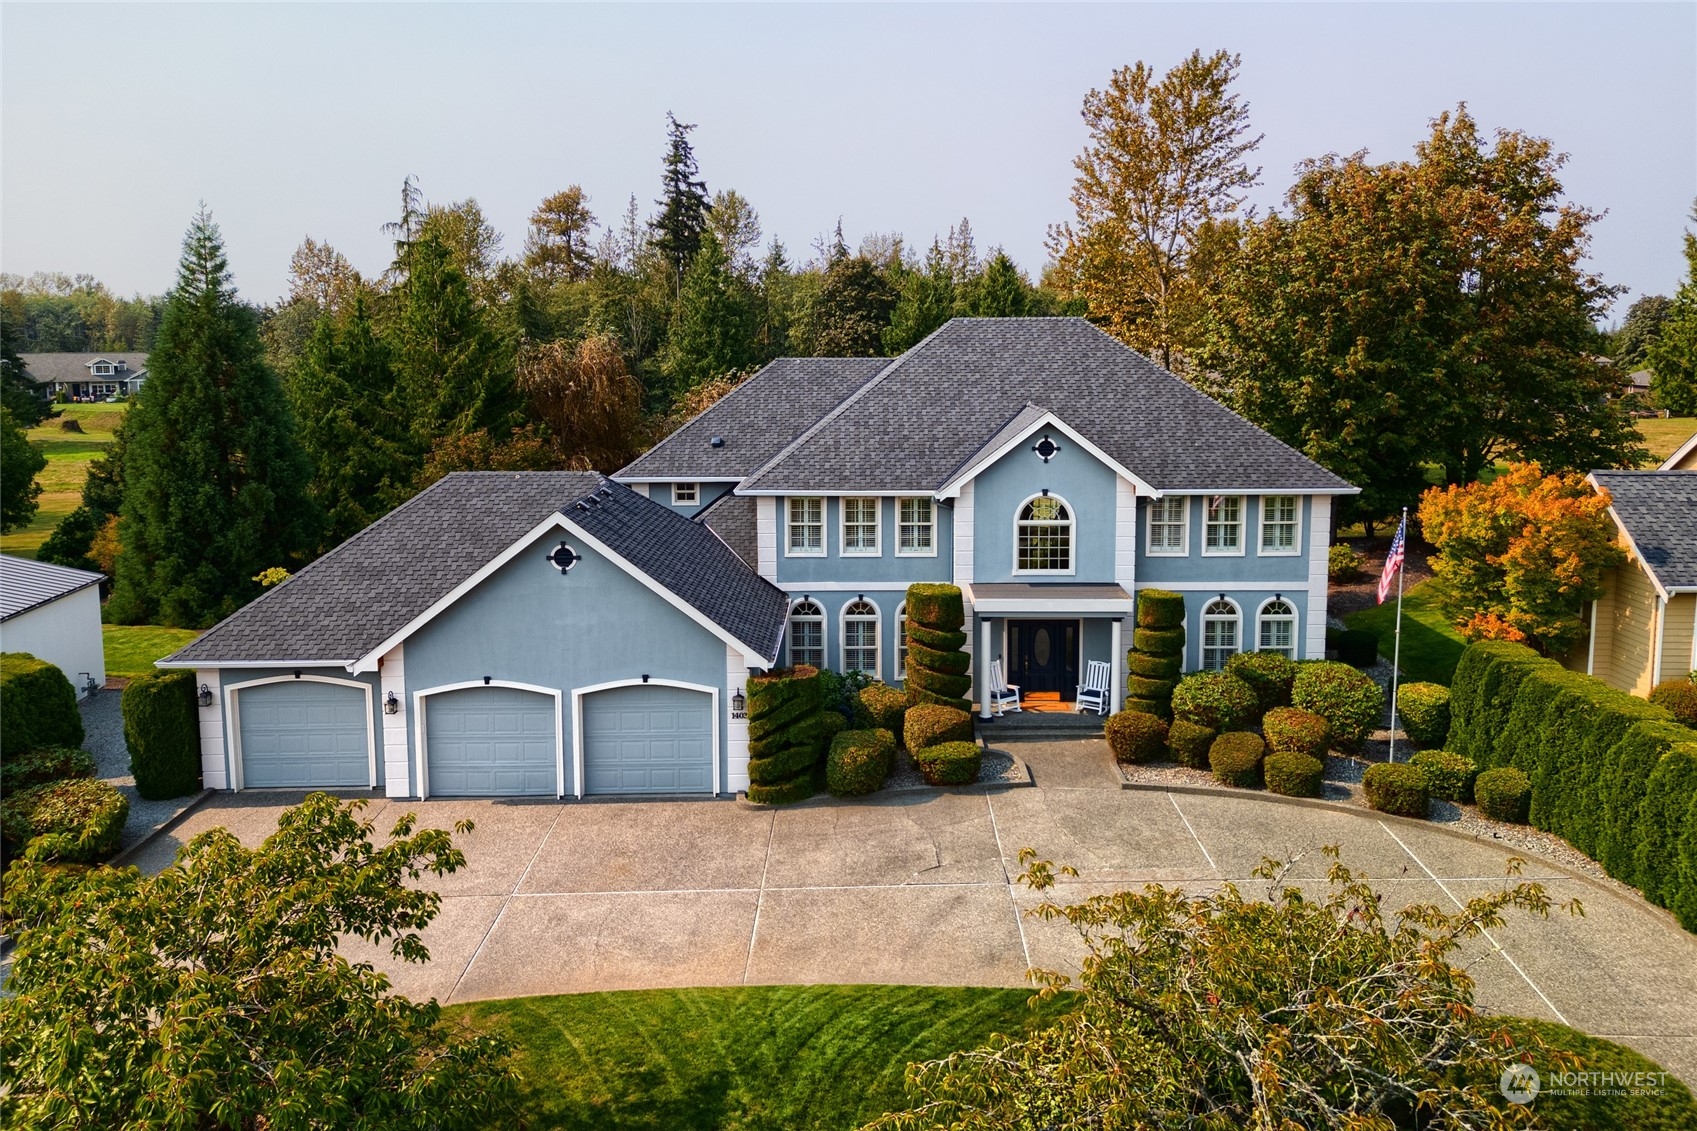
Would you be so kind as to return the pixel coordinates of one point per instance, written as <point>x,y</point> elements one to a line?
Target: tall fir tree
<point>927,300</point>
<point>714,323</point>
<point>1673,355</point>
<point>685,203</point>
<point>20,463</point>
<point>215,482</point>
<point>18,391</point>
<point>1000,291</point>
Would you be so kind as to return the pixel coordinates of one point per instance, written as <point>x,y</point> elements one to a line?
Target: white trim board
<point>1293,585</point>
<point>578,694</point>
<point>984,457</point>
<point>233,727</point>
<point>202,664</point>
<point>421,742</point>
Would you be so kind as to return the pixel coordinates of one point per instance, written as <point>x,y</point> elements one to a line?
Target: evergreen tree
<point>20,463</point>
<point>1673,355</point>
<point>714,323</point>
<point>1000,292</point>
<point>684,207</point>
<point>18,391</point>
<point>1630,344</point>
<point>927,300</point>
<point>215,483</point>
<point>853,308</point>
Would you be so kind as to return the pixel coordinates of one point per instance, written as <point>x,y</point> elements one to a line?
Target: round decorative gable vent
<point>563,557</point>
<point>1046,449</point>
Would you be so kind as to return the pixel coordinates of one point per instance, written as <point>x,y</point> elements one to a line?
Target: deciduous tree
<point>853,307</point>
<point>558,244</point>
<point>588,399</point>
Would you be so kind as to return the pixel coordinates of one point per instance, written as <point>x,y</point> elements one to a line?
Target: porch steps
<point>1039,725</point>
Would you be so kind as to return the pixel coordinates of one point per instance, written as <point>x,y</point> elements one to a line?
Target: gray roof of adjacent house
<point>929,412</point>
<point>733,519</point>
<point>26,584</point>
<point>48,368</point>
<point>1658,511</point>
<point>755,420</point>
<point>350,601</point>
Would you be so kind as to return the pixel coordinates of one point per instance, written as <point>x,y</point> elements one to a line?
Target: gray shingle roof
<point>756,419</point>
<point>358,595</point>
<point>935,407</point>
<point>732,518</point>
<point>1658,509</point>
<point>26,584</point>
<point>46,367</point>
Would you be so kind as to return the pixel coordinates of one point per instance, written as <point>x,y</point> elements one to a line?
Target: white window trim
<point>1242,527</point>
<point>789,638</point>
<point>929,553</point>
<point>901,641</point>
<point>789,547</point>
<point>1072,539</point>
<point>678,490</point>
<point>877,550</point>
<point>1149,547</point>
<point>1295,619</point>
<point>1202,633</point>
<point>1261,528</point>
<point>876,620</point>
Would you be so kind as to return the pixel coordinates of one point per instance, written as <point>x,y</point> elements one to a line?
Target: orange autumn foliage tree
<point>1519,556</point>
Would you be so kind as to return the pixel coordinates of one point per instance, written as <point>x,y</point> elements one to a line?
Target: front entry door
<point>1045,656</point>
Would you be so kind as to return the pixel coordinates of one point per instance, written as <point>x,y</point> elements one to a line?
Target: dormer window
<point>103,369</point>
<point>685,494</point>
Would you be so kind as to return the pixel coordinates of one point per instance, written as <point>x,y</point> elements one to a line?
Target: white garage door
<point>490,741</point>
<point>301,734</point>
<point>648,739</point>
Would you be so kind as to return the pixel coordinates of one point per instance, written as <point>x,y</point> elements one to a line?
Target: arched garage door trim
<point>578,694</point>
<point>233,725</point>
<point>421,763</point>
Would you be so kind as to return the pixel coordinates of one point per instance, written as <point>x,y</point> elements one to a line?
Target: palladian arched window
<point>807,634</point>
<point>1221,639</point>
<point>860,637</point>
<point>1043,536</point>
<point>1277,631</point>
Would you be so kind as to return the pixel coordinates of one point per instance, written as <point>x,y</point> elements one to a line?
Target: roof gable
<point>1027,423</point>
<point>46,368</point>
<point>27,584</point>
<point>1657,512</point>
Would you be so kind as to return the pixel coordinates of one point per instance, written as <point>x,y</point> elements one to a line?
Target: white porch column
<point>984,667</point>
<point>1118,666</point>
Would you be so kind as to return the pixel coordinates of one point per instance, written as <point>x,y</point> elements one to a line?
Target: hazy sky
<point>291,120</point>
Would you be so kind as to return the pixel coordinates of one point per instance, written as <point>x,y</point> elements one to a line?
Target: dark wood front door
<point>1044,656</point>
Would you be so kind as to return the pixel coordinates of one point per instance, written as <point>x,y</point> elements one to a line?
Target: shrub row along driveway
<point>916,888</point>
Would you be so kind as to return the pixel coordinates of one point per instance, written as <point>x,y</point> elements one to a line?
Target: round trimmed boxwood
<point>886,705</point>
<point>77,821</point>
<point>1150,666</point>
<point>1398,788</point>
<point>1291,730</point>
<point>1135,736</point>
<point>1293,775</point>
<point>859,761</point>
<point>950,763</point>
<point>1189,743</point>
<point>1503,794</point>
<point>1235,758</point>
<point>1214,699</point>
<point>930,724</point>
<point>38,705</point>
<point>1447,775</point>
<point>38,767</point>
<point>1350,702</point>
<point>1344,563</point>
<point>1160,608</point>
<point>1158,641</point>
<point>1269,675</point>
<point>1678,697</point>
<point>1424,711</point>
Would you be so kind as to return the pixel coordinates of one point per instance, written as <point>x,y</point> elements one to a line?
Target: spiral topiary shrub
<point>859,761</point>
<point>886,705</point>
<point>931,724</point>
<point>937,670</point>
<point>1235,758</point>
<point>38,705</point>
<point>1424,711</point>
<point>162,730</point>
<point>76,821</point>
<point>1503,794</point>
<point>1136,736</point>
<point>43,765</point>
<point>1678,697</point>
<point>1447,775</point>
<point>1268,674</point>
<point>1189,743</point>
<point>950,763</point>
<point>1150,666</point>
<point>1398,788</point>
<point>1291,730</point>
<point>1160,608</point>
<point>788,729</point>
<point>1293,775</point>
<point>1157,652</point>
<point>1215,699</point>
<point>1350,702</point>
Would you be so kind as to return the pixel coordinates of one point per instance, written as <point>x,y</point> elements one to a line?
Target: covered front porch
<point>1046,635</point>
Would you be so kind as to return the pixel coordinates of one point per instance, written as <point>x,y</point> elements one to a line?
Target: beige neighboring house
<point>1684,457</point>
<point>53,613</point>
<point>1644,627</point>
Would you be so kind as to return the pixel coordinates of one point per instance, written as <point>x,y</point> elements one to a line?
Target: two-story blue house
<point>562,634</point>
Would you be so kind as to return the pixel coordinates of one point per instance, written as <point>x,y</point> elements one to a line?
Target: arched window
<point>1220,637</point>
<point>1043,536</point>
<point>860,637</point>
<point>807,634</point>
<point>901,640</point>
<point>1277,630</point>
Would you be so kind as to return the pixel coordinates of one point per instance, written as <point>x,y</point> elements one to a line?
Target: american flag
<point>1393,561</point>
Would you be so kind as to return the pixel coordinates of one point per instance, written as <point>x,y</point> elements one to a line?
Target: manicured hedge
<point>1351,703</point>
<point>1424,711</point>
<point>1678,697</point>
<point>950,763</point>
<point>1269,675</point>
<point>1215,699</point>
<point>1447,775</point>
<point>1150,666</point>
<point>1357,647</point>
<point>162,730</point>
<point>1293,775</point>
<point>1291,730</point>
<point>1189,743</point>
<point>1395,787</point>
<point>789,729</point>
<point>38,705</point>
<point>77,821</point>
<point>859,761</point>
<point>1606,771</point>
<point>1235,758</point>
<point>1135,736</point>
<point>886,705</point>
<point>1503,794</point>
<point>931,724</point>
<point>1160,608</point>
<point>1158,641</point>
<point>937,670</point>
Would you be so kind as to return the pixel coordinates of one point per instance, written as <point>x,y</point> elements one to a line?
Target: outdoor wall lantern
<point>391,705</point>
<point>564,558</point>
<point>1046,449</point>
<point>739,702</point>
<point>205,696</point>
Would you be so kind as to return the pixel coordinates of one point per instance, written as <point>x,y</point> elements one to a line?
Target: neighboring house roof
<point>67,368</point>
<point>395,571</point>
<point>26,584</point>
<point>1684,457</point>
<point>755,420</point>
<point>733,519</point>
<point>926,415</point>
<point>1657,511</point>
<point>1638,381</point>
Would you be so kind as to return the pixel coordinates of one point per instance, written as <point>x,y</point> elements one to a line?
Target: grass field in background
<point>131,649</point>
<point>1663,437</point>
<point>68,456</point>
<point>1431,647</point>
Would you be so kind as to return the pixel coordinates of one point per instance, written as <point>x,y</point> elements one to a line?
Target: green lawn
<point>68,456</point>
<point>131,649</point>
<point>1663,437</point>
<point>1431,647</point>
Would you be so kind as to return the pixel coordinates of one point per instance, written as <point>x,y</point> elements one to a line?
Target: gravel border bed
<point>103,736</point>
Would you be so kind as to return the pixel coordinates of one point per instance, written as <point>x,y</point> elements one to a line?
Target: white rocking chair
<point>1093,692</point>
<point>1002,693</point>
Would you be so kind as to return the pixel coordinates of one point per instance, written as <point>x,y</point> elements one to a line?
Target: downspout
<point>1656,647</point>
<point>1591,643</point>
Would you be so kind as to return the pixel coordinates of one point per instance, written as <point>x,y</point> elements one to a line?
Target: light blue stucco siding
<point>705,495</point>
<point>1086,484</point>
<point>887,599</point>
<point>527,623</point>
<point>887,567</point>
<point>1249,603</point>
<point>1250,567</point>
<point>239,677</point>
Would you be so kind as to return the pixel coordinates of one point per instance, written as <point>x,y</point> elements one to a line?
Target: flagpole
<point>1396,649</point>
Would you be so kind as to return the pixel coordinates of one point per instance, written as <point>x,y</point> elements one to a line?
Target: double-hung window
<point>901,640</point>
<point>685,494</point>
<point>860,637</point>
<point>1223,525</point>
<point>806,528</point>
<point>807,634</point>
<point>1169,525</point>
<point>1278,524</point>
<point>916,534</point>
<point>1219,634</point>
<point>860,527</point>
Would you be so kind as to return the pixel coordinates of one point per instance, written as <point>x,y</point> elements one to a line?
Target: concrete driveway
<point>916,888</point>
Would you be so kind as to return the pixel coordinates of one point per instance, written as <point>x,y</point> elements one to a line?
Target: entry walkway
<point>917,888</point>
